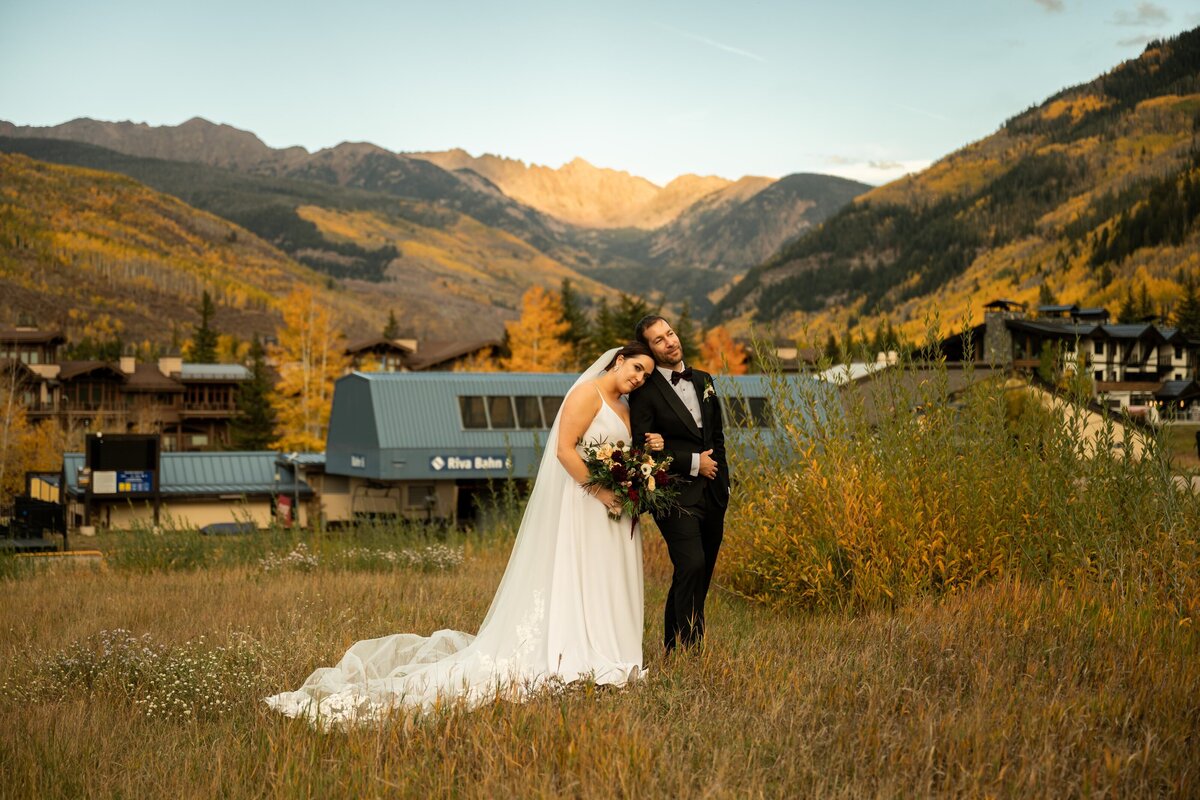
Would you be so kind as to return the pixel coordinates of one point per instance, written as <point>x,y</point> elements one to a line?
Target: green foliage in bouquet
<point>640,481</point>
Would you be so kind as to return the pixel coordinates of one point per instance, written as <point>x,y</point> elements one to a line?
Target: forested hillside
<point>1089,197</point>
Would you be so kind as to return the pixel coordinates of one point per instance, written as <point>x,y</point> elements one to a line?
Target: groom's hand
<point>708,467</point>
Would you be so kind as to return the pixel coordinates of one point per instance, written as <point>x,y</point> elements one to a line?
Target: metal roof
<point>205,473</point>
<point>397,425</point>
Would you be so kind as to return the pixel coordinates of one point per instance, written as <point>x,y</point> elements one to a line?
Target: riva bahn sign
<point>469,463</point>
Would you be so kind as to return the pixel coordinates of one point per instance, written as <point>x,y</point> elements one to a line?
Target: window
<point>1178,352</point>
<point>500,411</point>
<point>550,408</point>
<point>742,412</point>
<point>335,484</point>
<point>761,411</point>
<point>1099,347</point>
<point>421,496</point>
<point>529,412</point>
<point>473,414</point>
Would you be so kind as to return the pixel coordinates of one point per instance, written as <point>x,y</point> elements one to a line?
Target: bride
<point>568,607</point>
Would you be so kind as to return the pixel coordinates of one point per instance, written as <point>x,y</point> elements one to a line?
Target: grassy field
<point>1012,689</point>
<point>1180,440</point>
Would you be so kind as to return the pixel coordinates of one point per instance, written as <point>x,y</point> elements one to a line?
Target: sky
<point>868,90</point>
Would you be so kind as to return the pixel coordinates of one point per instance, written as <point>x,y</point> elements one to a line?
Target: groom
<point>679,405</point>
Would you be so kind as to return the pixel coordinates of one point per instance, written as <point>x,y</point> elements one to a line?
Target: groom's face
<point>664,343</point>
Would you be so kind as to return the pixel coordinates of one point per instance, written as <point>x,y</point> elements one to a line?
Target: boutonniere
<point>709,391</point>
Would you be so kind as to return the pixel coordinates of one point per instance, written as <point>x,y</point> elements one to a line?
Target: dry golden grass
<point>1014,689</point>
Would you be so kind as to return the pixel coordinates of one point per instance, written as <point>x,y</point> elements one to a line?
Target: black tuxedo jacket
<point>656,408</point>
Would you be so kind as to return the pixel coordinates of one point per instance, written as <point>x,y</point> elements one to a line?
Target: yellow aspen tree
<point>480,361</point>
<point>309,359</point>
<point>721,354</point>
<point>14,432</point>
<point>535,341</point>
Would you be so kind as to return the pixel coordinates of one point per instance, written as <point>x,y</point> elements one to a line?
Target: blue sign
<point>137,481</point>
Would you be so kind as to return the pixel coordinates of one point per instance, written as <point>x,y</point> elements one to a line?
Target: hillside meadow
<point>893,618</point>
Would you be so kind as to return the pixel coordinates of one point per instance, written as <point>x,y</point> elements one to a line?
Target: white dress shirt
<point>687,393</point>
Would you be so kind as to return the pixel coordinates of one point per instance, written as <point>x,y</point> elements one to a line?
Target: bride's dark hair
<point>629,350</point>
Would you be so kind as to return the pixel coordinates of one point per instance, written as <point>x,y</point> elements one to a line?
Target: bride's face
<point>632,372</point>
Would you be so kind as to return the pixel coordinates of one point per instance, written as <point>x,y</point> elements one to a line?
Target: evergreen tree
<point>204,339</point>
<point>579,329</point>
<point>1045,296</point>
<point>599,331</point>
<point>685,328</point>
<point>831,347</point>
<point>879,342</point>
<point>1187,312</point>
<point>254,426</point>
<point>613,326</point>
<point>893,338</point>
<point>1145,305</point>
<point>849,346</point>
<point>628,313</point>
<point>392,329</point>
<point>1130,310</point>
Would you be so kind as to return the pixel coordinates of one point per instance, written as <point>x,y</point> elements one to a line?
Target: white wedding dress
<point>569,607</point>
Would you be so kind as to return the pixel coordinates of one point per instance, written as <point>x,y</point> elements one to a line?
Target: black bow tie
<point>685,375</point>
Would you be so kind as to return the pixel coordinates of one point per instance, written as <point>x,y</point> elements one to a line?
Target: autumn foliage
<point>535,340</point>
<point>720,354</point>
<point>309,359</point>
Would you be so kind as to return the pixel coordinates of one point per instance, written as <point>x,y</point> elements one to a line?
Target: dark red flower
<point>662,478</point>
<point>633,495</point>
<point>619,472</point>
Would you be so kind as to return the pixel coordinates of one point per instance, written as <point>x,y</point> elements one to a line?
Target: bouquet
<point>638,479</point>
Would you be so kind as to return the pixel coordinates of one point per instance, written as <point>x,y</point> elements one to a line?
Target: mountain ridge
<point>1028,213</point>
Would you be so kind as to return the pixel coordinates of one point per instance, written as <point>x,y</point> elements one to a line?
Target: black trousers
<point>693,536</point>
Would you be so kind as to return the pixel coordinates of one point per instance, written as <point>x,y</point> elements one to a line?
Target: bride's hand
<point>609,498</point>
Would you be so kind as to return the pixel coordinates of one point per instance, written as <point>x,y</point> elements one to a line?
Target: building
<point>1143,369</point>
<point>194,490</point>
<point>429,445</point>
<point>409,355</point>
<point>189,405</point>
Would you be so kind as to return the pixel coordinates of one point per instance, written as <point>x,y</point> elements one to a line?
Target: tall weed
<point>908,488</point>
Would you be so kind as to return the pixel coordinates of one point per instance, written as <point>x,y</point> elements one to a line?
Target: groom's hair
<point>639,331</point>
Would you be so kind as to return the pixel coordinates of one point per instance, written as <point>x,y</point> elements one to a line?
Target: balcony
<point>209,410</point>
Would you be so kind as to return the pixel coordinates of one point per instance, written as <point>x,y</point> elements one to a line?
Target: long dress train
<point>568,607</point>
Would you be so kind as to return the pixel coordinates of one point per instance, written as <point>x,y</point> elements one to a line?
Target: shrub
<point>908,489</point>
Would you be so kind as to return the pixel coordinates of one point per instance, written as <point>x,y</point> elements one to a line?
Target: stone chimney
<point>128,364</point>
<point>170,365</point>
<point>997,339</point>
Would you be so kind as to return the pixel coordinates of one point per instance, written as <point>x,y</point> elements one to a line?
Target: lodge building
<point>1143,369</point>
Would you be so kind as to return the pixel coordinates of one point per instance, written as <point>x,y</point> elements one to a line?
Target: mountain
<point>100,254</point>
<point>444,274</point>
<point>352,165</point>
<point>685,241</point>
<point>582,194</point>
<point>1087,197</point>
<point>196,140</point>
<point>718,238</point>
